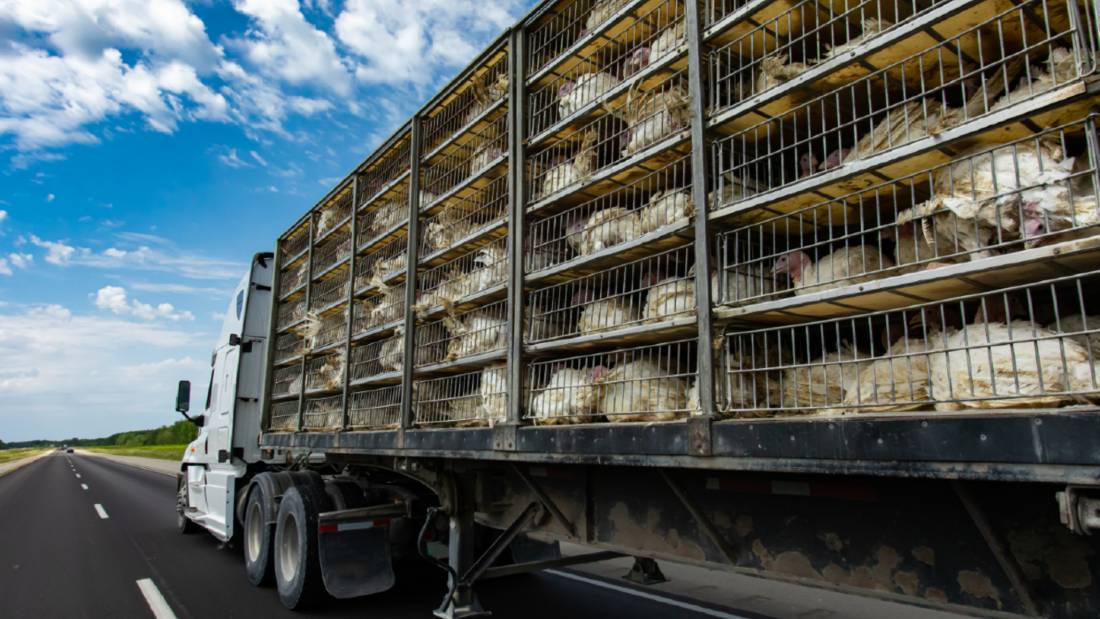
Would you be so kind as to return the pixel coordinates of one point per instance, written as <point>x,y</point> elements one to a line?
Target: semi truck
<point>798,289</point>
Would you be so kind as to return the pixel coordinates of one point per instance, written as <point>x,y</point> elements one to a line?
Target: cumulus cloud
<point>120,370</point>
<point>5,269</point>
<point>57,252</point>
<point>3,215</point>
<point>20,261</point>
<point>410,41</point>
<point>130,255</point>
<point>115,300</point>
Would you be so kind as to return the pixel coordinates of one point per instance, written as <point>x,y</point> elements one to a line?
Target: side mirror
<point>234,339</point>
<point>183,397</point>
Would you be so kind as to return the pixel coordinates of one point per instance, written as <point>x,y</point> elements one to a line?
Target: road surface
<point>85,536</point>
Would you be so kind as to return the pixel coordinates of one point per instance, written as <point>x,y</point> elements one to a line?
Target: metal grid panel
<point>326,330</point>
<point>380,309</point>
<point>293,278</point>
<point>383,215</point>
<point>569,23</point>
<point>647,383</point>
<point>463,216</point>
<point>468,274</point>
<point>788,43</point>
<point>648,290</point>
<point>284,416</point>
<point>291,312</point>
<point>325,373</point>
<point>331,251</point>
<point>287,381</point>
<point>1031,346</point>
<point>487,145</point>
<point>384,264</point>
<point>714,11</point>
<point>654,38</point>
<point>463,334</point>
<point>485,89</point>
<point>289,346</point>
<point>384,172</point>
<point>323,413</point>
<point>1022,194</point>
<point>658,201</point>
<point>330,291</point>
<point>374,409</point>
<point>333,214</point>
<point>1022,52</point>
<point>472,399</point>
<point>637,121</point>
<point>377,357</point>
<point>294,244</point>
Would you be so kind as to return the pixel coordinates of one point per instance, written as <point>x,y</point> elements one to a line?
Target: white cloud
<point>260,160</point>
<point>285,45</point>
<point>3,214</point>
<point>20,261</point>
<point>183,289</point>
<point>114,299</point>
<point>403,41</point>
<point>50,197</point>
<point>229,157</point>
<point>57,252</point>
<point>5,270</point>
<point>121,371</point>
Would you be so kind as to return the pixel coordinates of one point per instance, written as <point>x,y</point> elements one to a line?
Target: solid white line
<point>102,512</point>
<point>156,602</point>
<point>703,610</point>
<point>84,486</point>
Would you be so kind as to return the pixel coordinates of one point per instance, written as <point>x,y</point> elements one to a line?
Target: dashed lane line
<point>102,512</point>
<point>155,600</point>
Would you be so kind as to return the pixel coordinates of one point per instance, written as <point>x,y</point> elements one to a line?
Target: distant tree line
<point>178,433</point>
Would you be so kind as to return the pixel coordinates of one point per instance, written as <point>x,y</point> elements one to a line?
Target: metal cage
<point>472,274</point>
<point>375,409</point>
<point>378,359</point>
<point>462,219</point>
<point>323,413</point>
<point>464,400</point>
<point>459,335</point>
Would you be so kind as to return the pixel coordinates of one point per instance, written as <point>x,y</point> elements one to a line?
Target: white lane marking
<point>703,610</point>
<point>84,486</point>
<point>102,512</point>
<point>156,601</point>
<point>78,475</point>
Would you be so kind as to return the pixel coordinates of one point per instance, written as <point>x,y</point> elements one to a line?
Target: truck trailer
<point>804,289</point>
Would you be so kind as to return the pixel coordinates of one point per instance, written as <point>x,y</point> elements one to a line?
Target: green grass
<point>7,455</point>
<point>162,452</point>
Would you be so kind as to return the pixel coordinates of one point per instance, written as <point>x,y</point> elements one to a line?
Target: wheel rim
<point>289,548</point>
<point>255,527</point>
<point>181,502</point>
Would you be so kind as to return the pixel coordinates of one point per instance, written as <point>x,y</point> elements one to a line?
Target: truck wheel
<point>297,565</point>
<point>258,538</point>
<point>183,524</point>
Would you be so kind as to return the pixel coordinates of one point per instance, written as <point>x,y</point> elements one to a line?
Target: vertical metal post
<point>517,197</point>
<point>350,299</point>
<point>272,341</point>
<point>700,443</point>
<point>308,299</point>
<point>411,261</point>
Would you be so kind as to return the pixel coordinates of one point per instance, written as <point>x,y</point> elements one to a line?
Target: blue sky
<point>149,147</point>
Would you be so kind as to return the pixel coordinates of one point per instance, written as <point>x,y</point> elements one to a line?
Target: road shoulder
<point>164,467</point>
<point>8,467</point>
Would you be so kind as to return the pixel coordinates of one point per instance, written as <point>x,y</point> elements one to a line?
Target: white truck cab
<point>229,424</point>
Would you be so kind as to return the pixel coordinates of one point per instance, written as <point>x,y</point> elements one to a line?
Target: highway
<point>83,536</point>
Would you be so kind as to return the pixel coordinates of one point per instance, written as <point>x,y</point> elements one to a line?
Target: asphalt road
<point>61,558</point>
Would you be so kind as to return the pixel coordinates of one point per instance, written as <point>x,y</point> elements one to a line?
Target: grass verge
<point>7,455</point>
<point>161,452</point>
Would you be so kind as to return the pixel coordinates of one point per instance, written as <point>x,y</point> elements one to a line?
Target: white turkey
<point>923,242</point>
<point>740,282</point>
<point>475,333</point>
<point>1015,365</point>
<point>392,355</point>
<point>390,308</point>
<point>324,413</point>
<point>541,324</point>
<point>775,70</point>
<point>388,215</point>
<point>1059,68</point>
<point>466,411</point>
<point>670,298</point>
<point>448,286</point>
<point>490,269</point>
<point>603,229</point>
<point>485,155</point>
<point>570,396</point>
<point>603,314</point>
<point>574,94</point>
<point>1084,329</point>
<point>665,208</point>
<point>898,381</point>
<point>328,376</point>
<point>821,383</point>
<point>900,125</point>
<point>847,265</point>
<point>565,172</point>
<point>669,41</point>
<point>872,27</point>
<point>294,277</point>
<point>426,198</point>
<point>601,11</point>
<point>642,390</point>
<point>653,116</point>
<point>494,393</point>
<point>485,96</point>
<point>732,188</point>
<point>387,268</point>
<point>328,218</point>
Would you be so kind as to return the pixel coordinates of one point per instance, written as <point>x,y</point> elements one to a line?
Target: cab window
<point>240,304</point>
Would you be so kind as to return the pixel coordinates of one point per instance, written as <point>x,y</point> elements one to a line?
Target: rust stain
<point>832,541</point>
<point>978,585</point>
<point>908,582</point>
<point>835,574</point>
<point>795,563</point>
<point>935,594</point>
<point>925,555</point>
<point>888,559</point>
<point>1070,572</point>
<point>1063,557</point>
<point>631,531</point>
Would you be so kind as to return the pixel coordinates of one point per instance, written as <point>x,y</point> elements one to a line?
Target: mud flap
<point>355,552</point>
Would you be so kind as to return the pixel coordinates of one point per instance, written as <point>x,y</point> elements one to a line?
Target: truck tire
<point>259,537</point>
<point>183,524</point>
<point>297,563</point>
<point>345,494</point>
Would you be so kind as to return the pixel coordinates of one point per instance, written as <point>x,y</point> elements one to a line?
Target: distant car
<point>69,450</point>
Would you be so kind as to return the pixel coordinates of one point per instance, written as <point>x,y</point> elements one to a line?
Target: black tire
<point>345,494</point>
<point>183,524</point>
<point>297,563</point>
<point>259,538</point>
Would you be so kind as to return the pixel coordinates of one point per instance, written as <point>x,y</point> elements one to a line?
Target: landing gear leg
<point>461,602</point>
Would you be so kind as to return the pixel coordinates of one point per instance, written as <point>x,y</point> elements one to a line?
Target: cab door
<point>221,474</point>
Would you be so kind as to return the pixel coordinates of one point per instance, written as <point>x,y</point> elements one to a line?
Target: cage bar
<point>465,217</point>
<point>377,358</point>
<point>470,274</point>
<point>379,310</point>
<point>459,335</point>
<point>375,409</point>
<point>463,400</point>
<point>284,416</point>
